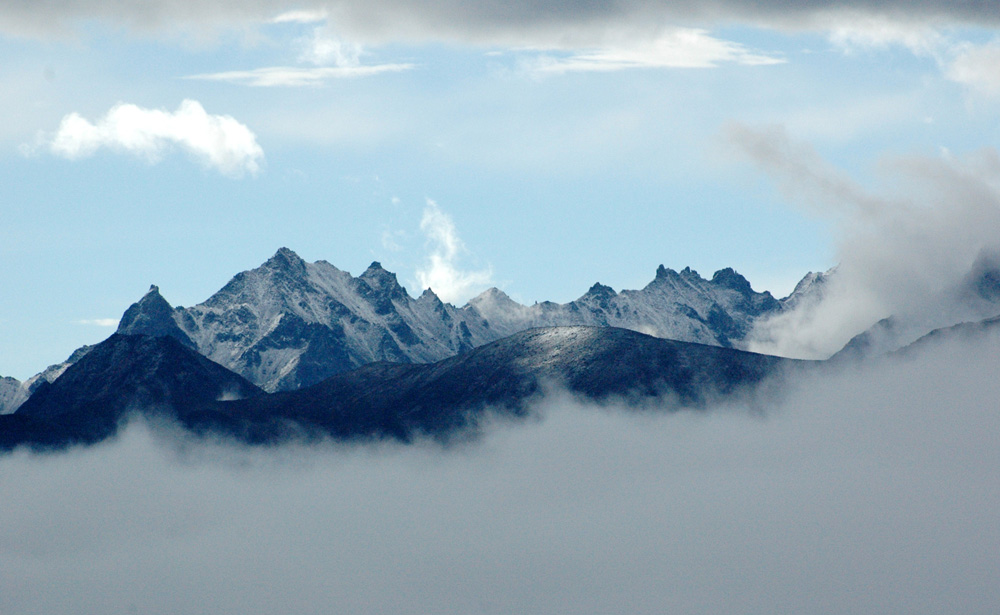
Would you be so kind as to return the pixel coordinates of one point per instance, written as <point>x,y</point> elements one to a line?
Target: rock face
<point>13,392</point>
<point>289,323</point>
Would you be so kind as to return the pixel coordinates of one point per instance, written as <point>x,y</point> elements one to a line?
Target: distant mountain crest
<point>290,323</point>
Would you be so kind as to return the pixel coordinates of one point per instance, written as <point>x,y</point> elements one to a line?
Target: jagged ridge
<point>289,323</point>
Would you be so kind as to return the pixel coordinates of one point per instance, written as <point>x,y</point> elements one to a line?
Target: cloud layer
<point>217,141</point>
<point>490,21</point>
<point>861,492</point>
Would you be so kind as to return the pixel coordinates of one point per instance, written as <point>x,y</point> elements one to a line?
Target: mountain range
<point>305,349</point>
<point>165,380</point>
<point>289,324</point>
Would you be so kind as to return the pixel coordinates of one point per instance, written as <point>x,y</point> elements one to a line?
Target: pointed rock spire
<point>728,278</point>
<point>382,281</point>
<point>286,261</point>
<point>152,315</point>
<point>600,290</point>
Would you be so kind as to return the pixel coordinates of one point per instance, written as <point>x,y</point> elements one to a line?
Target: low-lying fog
<point>872,490</point>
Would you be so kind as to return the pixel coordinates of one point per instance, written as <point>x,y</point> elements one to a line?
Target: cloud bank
<point>441,272</point>
<point>217,141</point>
<point>907,252</point>
<point>489,21</point>
<point>588,36</point>
<point>862,492</point>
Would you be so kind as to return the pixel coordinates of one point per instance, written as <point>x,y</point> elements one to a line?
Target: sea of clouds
<point>860,489</point>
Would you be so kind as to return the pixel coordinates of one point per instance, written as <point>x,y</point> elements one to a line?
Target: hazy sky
<point>537,146</point>
<point>868,491</point>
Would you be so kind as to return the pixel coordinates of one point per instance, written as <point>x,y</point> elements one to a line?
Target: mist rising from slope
<point>860,492</point>
<point>906,251</point>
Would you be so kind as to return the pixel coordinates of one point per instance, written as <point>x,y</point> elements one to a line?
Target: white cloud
<point>322,49</point>
<point>675,48</point>
<point>100,322</point>
<point>300,17</point>
<point>330,57</point>
<point>977,67</point>
<point>294,76</point>
<point>218,141</point>
<point>441,272</point>
<point>874,31</point>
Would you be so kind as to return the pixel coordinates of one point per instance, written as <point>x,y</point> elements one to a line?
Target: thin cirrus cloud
<point>327,57</point>
<point>676,48</point>
<point>297,76</point>
<point>219,142</point>
<point>99,322</point>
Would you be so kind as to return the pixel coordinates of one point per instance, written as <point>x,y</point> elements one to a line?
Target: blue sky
<point>539,146</point>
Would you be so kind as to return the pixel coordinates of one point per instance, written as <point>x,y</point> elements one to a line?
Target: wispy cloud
<point>99,322</point>
<point>973,65</point>
<point>300,16</point>
<point>326,56</point>
<point>873,31</point>
<point>977,67</point>
<point>218,141</point>
<point>296,76</point>
<point>441,272</point>
<point>676,48</point>
<point>323,49</point>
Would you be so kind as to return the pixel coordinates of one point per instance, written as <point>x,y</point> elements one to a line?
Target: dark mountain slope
<point>965,331</point>
<point>121,374</point>
<point>401,400</point>
<point>159,376</point>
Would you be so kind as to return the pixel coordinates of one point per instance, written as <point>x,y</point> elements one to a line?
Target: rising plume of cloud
<point>441,272</point>
<point>867,491</point>
<point>217,141</point>
<point>907,252</point>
